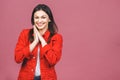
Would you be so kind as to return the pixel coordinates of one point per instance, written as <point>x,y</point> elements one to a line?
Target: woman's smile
<point>40,24</point>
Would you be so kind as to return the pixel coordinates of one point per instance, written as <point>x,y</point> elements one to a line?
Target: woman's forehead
<point>40,13</point>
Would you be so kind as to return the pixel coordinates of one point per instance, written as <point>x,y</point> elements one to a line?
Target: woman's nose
<point>39,20</point>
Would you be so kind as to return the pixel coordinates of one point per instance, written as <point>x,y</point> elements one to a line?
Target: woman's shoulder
<point>57,36</point>
<point>25,31</point>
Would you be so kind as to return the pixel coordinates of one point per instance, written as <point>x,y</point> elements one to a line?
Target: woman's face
<point>41,19</point>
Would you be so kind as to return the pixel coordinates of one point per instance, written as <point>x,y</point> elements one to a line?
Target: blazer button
<point>34,57</point>
<point>32,70</point>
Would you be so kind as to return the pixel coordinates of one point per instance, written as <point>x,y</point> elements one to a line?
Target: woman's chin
<point>39,27</point>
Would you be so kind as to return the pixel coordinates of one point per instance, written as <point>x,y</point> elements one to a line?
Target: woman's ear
<point>49,20</point>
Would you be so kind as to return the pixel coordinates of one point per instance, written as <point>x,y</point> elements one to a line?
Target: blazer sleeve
<point>22,47</point>
<point>53,52</point>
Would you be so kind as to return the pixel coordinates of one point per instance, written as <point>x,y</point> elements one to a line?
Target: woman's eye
<point>36,17</point>
<point>43,17</point>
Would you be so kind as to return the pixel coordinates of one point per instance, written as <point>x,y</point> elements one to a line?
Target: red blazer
<point>50,54</point>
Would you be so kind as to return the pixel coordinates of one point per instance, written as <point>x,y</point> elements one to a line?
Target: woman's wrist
<point>32,45</point>
<point>43,43</point>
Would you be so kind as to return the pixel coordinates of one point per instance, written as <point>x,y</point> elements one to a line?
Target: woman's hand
<point>39,36</point>
<point>36,39</point>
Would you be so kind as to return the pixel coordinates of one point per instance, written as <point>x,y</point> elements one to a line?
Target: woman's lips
<point>39,24</point>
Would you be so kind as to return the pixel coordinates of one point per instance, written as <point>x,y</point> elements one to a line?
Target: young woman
<point>39,48</point>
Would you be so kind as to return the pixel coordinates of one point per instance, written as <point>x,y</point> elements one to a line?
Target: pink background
<point>91,33</point>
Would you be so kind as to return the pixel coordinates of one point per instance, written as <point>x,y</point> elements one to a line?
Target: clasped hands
<point>38,37</point>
